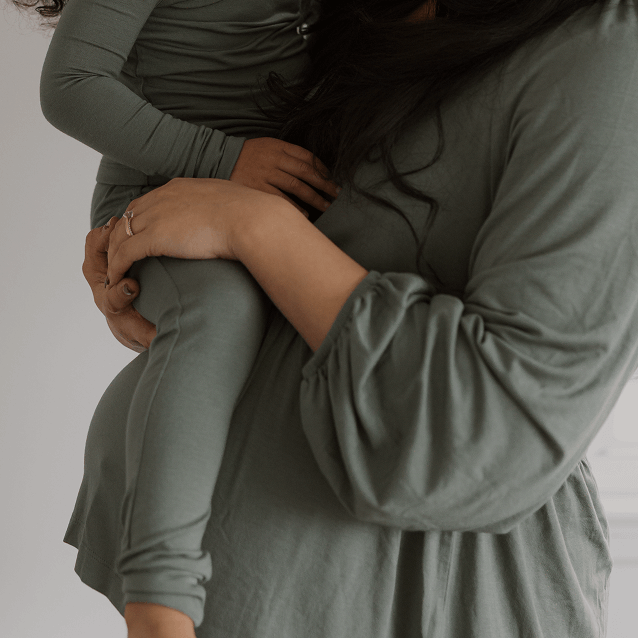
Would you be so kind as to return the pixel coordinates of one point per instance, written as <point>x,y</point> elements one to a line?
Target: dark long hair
<point>372,73</point>
<point>48,9</point>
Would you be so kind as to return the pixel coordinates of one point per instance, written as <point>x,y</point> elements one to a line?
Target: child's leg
<point>210,317</point>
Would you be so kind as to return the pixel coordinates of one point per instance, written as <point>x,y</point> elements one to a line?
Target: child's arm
<point>82,95</point>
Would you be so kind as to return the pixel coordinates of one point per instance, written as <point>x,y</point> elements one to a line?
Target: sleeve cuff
<point>345,314</point>
<point>232,148</point>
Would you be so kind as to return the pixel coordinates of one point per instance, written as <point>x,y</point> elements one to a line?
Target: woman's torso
<point>289,559</point>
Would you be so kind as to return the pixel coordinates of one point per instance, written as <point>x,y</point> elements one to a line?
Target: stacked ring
<point>128,215</point>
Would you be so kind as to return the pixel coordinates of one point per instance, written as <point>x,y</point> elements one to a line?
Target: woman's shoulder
<point>596,47</point>
<point>580,78</point>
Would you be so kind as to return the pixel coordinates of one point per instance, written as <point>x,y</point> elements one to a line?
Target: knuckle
<point>110,304</point>
<point>304,169</point>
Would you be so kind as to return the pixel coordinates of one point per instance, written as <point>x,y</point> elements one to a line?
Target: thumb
<point>121,296</point>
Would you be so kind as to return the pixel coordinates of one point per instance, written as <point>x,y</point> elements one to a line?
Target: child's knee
<point>205,293</point>
<point>221,292</point>
<point>158,294</point>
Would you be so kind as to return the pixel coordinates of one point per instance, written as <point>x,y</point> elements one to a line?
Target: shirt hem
<point>93,570</point>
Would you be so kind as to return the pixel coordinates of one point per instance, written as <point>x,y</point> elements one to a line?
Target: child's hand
<point>277,167</point>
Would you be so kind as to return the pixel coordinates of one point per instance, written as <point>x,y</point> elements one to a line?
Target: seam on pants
<point>127,531</point>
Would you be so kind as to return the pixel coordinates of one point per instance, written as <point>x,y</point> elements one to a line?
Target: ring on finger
<point>128,215</point>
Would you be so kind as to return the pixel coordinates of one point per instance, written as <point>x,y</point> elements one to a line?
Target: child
<point>164,89</point>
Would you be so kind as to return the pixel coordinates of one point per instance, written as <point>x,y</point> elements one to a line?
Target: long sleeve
<point>83,94</point>
<point>433,412</point>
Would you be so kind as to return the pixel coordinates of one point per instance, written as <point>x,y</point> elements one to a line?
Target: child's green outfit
<point>166,89</point>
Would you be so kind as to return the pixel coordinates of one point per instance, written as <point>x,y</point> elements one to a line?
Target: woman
<point>407,457</point>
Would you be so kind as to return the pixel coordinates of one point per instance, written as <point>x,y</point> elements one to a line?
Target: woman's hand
<point>126,324</point>
<point>277,167</point>
<point>305,275</point>
<point>188,219</point>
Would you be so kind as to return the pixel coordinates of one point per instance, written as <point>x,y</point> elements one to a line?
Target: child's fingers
<point>311,169</point>
<point>306,172</point>
<point>290,184</point>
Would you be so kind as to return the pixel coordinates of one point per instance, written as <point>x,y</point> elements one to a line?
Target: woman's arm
<point>305,275</point>
<point>429,411</point>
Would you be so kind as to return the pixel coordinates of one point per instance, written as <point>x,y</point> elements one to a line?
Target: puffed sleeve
<point>432,412</point>
<point>82,94</point>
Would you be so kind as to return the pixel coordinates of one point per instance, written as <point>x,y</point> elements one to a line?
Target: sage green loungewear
<point>423,474</point>
<point>172,88</point>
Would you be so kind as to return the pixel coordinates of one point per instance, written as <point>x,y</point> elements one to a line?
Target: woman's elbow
<point>482,509</point>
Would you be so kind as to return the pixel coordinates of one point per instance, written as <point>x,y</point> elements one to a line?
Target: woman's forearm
<point>305,275</point>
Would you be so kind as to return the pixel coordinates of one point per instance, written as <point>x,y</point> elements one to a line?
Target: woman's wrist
<point>305,275</point>
<point>253,223</point>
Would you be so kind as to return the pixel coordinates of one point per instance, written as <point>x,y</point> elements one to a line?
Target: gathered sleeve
<point>428,411</point>
<point>82,94</point>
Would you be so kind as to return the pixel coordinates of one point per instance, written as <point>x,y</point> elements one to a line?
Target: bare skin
<point>148,620</point>
<point>127,325</point>
<point>265,164</point>
<point>424,12</point>
<point>304,273</point>
<point>277,167</point>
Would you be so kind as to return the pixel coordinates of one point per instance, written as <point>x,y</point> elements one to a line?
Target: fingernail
<point>108,223</point>
<point>106,282</point>
<point>126,290</point>
<point>339,189</point>
<point>326,205</point>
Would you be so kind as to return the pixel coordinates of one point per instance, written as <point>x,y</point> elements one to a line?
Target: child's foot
<point>148,620</point>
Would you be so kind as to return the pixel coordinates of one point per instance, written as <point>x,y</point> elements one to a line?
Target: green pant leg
<point>210,317</point>
<point>111,200</point>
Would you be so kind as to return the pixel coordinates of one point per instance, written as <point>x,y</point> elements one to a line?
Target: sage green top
<point>167,88</point>
<point>423,473</point>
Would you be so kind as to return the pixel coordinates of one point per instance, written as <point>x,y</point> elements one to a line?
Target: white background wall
<point>57,357</point>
